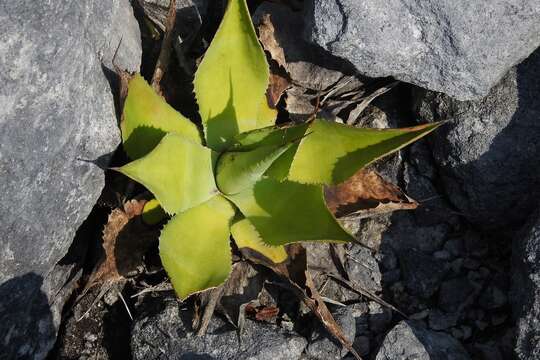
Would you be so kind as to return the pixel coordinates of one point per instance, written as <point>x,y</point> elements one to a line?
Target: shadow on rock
<point>488,156</point>
<point>26,322</point>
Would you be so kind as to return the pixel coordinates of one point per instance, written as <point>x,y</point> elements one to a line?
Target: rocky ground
<point>457,278</point>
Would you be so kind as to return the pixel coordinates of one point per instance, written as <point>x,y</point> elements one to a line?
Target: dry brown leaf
<point>267,37</point>
<point>242,286</point>
<point>125,240</point>
<point>277,86</point>
<point>262,313</point>
<point>298,276</point>
<point>311,71</point>
<point>366,193</point>
<point>166,47</point>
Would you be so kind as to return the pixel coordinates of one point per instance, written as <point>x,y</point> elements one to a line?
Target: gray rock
<point>422,273</point>
<point>363,268</point>
<point>323,346</point>
<point>526,289</point>
<point>56,113</point>
<point>320,261</point>
<point>379,318</point>
<point>166,334</point>
<point>489,155</point>
<point>362,345</point>
<point>407,233</point>
<point>458,47</point>
<point>409,341</point>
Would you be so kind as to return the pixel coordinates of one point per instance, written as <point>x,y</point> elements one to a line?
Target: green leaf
<point>232,79</point>
<point>237,171</point>
<point>147,118</point>
<point>273,136</point>
<point>246,236</point>
<point>195,249</point>
<point>268,136</point>
<point>178,172</point>
<point>286,212</point>
<point>333,152</point>
<point>266,116</point>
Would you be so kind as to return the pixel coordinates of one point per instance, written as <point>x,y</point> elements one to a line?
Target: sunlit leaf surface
<point>286,212</point>
<point>333,152</point>
<point>231,80</point>
<point>178,172</point>
<point>245,236</point>
<point>147,118</point>
<point>194,247</point>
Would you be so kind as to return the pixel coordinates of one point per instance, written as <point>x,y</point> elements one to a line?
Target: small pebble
<point>419,315</point>
<point>467,331</point>
<point>481,325</point>
<point>456,265</point>
<point>454,247</point>
<point>471,264</point>
<point>457,333</point>
<point>442,255</point>
<point>90,337</point>
<point>484,271</point>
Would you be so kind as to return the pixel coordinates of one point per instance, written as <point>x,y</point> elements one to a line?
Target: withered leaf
<point>366,193</point>
<point>312,72</point>
<point>242,286</point>
<point>262,313</point>
<point>298,276</point>
<point>125,240</point>
<point>268,39</point>
<point>277,86</point>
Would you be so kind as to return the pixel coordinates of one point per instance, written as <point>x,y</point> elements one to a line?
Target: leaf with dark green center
<point>194,247</point>
<point>147,118</point>
<point>273,136</point>
<point>237,171</point>
<point>178,172</point>
<point>333,152</point>
<point>287,212</point>
<point>268,136</point>
<point>231,80</point>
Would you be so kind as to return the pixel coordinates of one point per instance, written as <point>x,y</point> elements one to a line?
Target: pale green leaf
<point>333,152</point>
<point>147,118</point>
<point>245,236</point>
<point>238,170</point>
<point>286,212</point>
<point>195,249</point>
<point>232,79</point>
<point>179,173</point>
<point>266,116</point>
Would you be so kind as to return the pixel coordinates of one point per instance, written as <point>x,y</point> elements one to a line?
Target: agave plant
<point>242,176</point>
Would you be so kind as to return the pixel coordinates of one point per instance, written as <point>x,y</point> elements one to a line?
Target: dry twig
<point>166,46</point>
